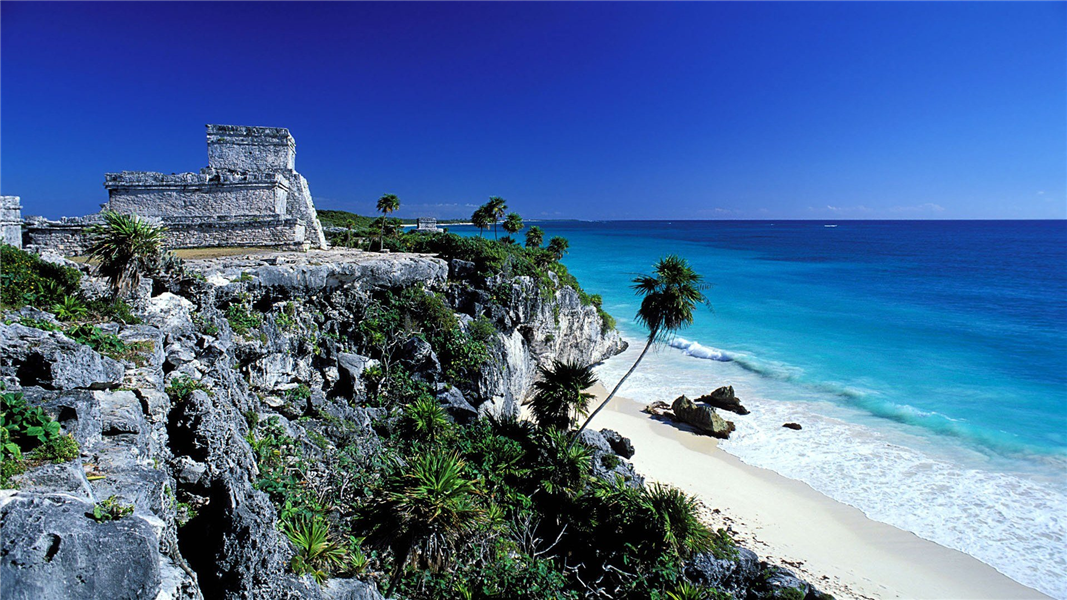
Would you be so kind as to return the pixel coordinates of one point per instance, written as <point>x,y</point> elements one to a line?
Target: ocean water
<point>926,361</point>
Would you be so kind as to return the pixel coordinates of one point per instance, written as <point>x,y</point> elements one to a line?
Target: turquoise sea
<point>926,361</point>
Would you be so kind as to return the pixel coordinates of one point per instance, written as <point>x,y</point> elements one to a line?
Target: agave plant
<point>316,553</point>
<point>688,591</point>
<point>125,247</point>
<point>425,512</point>
<point>566,466</point>
<point>426,419</point>
<point>675,519</point>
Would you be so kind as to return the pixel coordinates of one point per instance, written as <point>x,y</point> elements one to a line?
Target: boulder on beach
<point>795,426</point>
<point>659,408</point>
<point>725,399</point>
<point>704,418</point>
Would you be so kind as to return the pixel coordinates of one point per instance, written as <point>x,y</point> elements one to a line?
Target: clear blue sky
<point>596,110</point>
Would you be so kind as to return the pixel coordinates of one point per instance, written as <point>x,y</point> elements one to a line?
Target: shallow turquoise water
<point>927,362</point>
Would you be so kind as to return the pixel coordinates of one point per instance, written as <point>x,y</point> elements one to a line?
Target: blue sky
<point>593,110</point>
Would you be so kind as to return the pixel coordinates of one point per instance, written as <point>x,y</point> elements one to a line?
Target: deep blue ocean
<point>926,360</point>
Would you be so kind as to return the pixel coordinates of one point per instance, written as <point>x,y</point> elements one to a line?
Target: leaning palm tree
<point>481,219</point>
<point>558,246</point>
<point>496,207</point>
<point>560,396</point>
<point>386,204</point>
<point>670,295</point>
<point>425,513</point>
<point>535,236</point>
<point>125,247</point>
<point>513,224</point>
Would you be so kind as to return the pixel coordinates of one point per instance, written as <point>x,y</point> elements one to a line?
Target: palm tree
<point>535,236</point>
<point>427,511</point>
<point>670,295</point>
<point>513,224</point>
<point>560,396</point>
<point>386,204</point>
<point>125,247</point>
<point>557,247</point>
<point>496,207</point>
<point>481,219</point>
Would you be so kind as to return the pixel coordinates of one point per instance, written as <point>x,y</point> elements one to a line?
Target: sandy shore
<point>833,545</point>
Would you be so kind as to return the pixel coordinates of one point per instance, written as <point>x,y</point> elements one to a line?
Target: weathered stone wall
<point>204,194</point>
<point>11,221</point>
<point>242,148</point>
<point>242,231</point>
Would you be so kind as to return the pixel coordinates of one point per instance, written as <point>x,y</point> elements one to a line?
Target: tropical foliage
<point>125,247</point>
<point>386,204</point>
<point>559,395</point>
<point>535,236</point>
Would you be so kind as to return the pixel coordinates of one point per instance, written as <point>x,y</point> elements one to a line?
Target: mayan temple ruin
<point>249,195</point>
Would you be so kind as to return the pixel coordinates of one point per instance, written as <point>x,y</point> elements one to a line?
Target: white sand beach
<point>833,545</point>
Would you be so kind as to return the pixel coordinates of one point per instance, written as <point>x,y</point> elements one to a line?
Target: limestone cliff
<point>249,339</point>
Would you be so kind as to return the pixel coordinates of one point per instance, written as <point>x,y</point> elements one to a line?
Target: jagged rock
<point>120,412</point>
<point>594,440</point>
<point>703,418</point>
<point>793,426</point>
<point>350,368</point>
<point>457,406</point>
<point>724,399</point>
<point>52,549</point>
<point>733,576</point>
<point>619,445</point>
<point>351,589</point>
<point>418,356</point>
<point>78,412</point>
<point>53,361</point>
<point>460,269</point>
<point>66,478</point>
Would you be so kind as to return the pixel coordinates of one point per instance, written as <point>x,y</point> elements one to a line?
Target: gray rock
<point>594,440</point>
<point>67,478</point>
<point>351,589</point>
<point>419,358</point>
<point>703,418</point>
<point>52,549</point>
<point>733,576</point>
<point>460,269</point>
<point>350,368</point>
<point>120,412</point>
<point>619,445</point>
<point>724,398</point>
<point>51,360</point>
<point>456,404</point>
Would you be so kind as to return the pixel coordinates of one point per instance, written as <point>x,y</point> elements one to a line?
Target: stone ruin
<point>249,195</point>
<point>10,221</point>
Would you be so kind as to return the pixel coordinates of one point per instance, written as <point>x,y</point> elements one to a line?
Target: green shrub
<point>26,426</point>
<point>299,394</point>
<point>481,329</point>
<point>70,308</point>
<point>39,324</point>
<point>111,509</point>
<point>59,449</point>
<point>26,280</point>
<point>242,319</point>
<point>107,344</point>
<point>183,386</point>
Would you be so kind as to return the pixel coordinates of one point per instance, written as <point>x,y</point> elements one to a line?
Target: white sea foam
<point>1013,520</point>
<point>696,350</point>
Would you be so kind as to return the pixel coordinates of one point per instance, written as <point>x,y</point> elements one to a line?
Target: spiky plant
<point>124,247</point>
<point>565,467</point>
<point>558,246</point>
<point>559,395</point>
<point>535,236</point>
<point>425,419</point>
<point>688,591</point>
<point>675,519</point>
<point>70,308</point>
<point>316,553</point>
<point>425,512</point>
<point>671,294</point>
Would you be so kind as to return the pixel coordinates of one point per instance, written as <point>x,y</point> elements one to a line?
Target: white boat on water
<point>829,225</point>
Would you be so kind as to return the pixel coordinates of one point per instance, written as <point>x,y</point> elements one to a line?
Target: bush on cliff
<point>125,247</point>
<point>26,280</point>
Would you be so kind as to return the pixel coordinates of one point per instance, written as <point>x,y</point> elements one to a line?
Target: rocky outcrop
<point>746,577</point>
<point>619,445</point>
<point>51,360</point>
<point>724,399</point>
<point>703,418</point>
<point>793,426</point>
